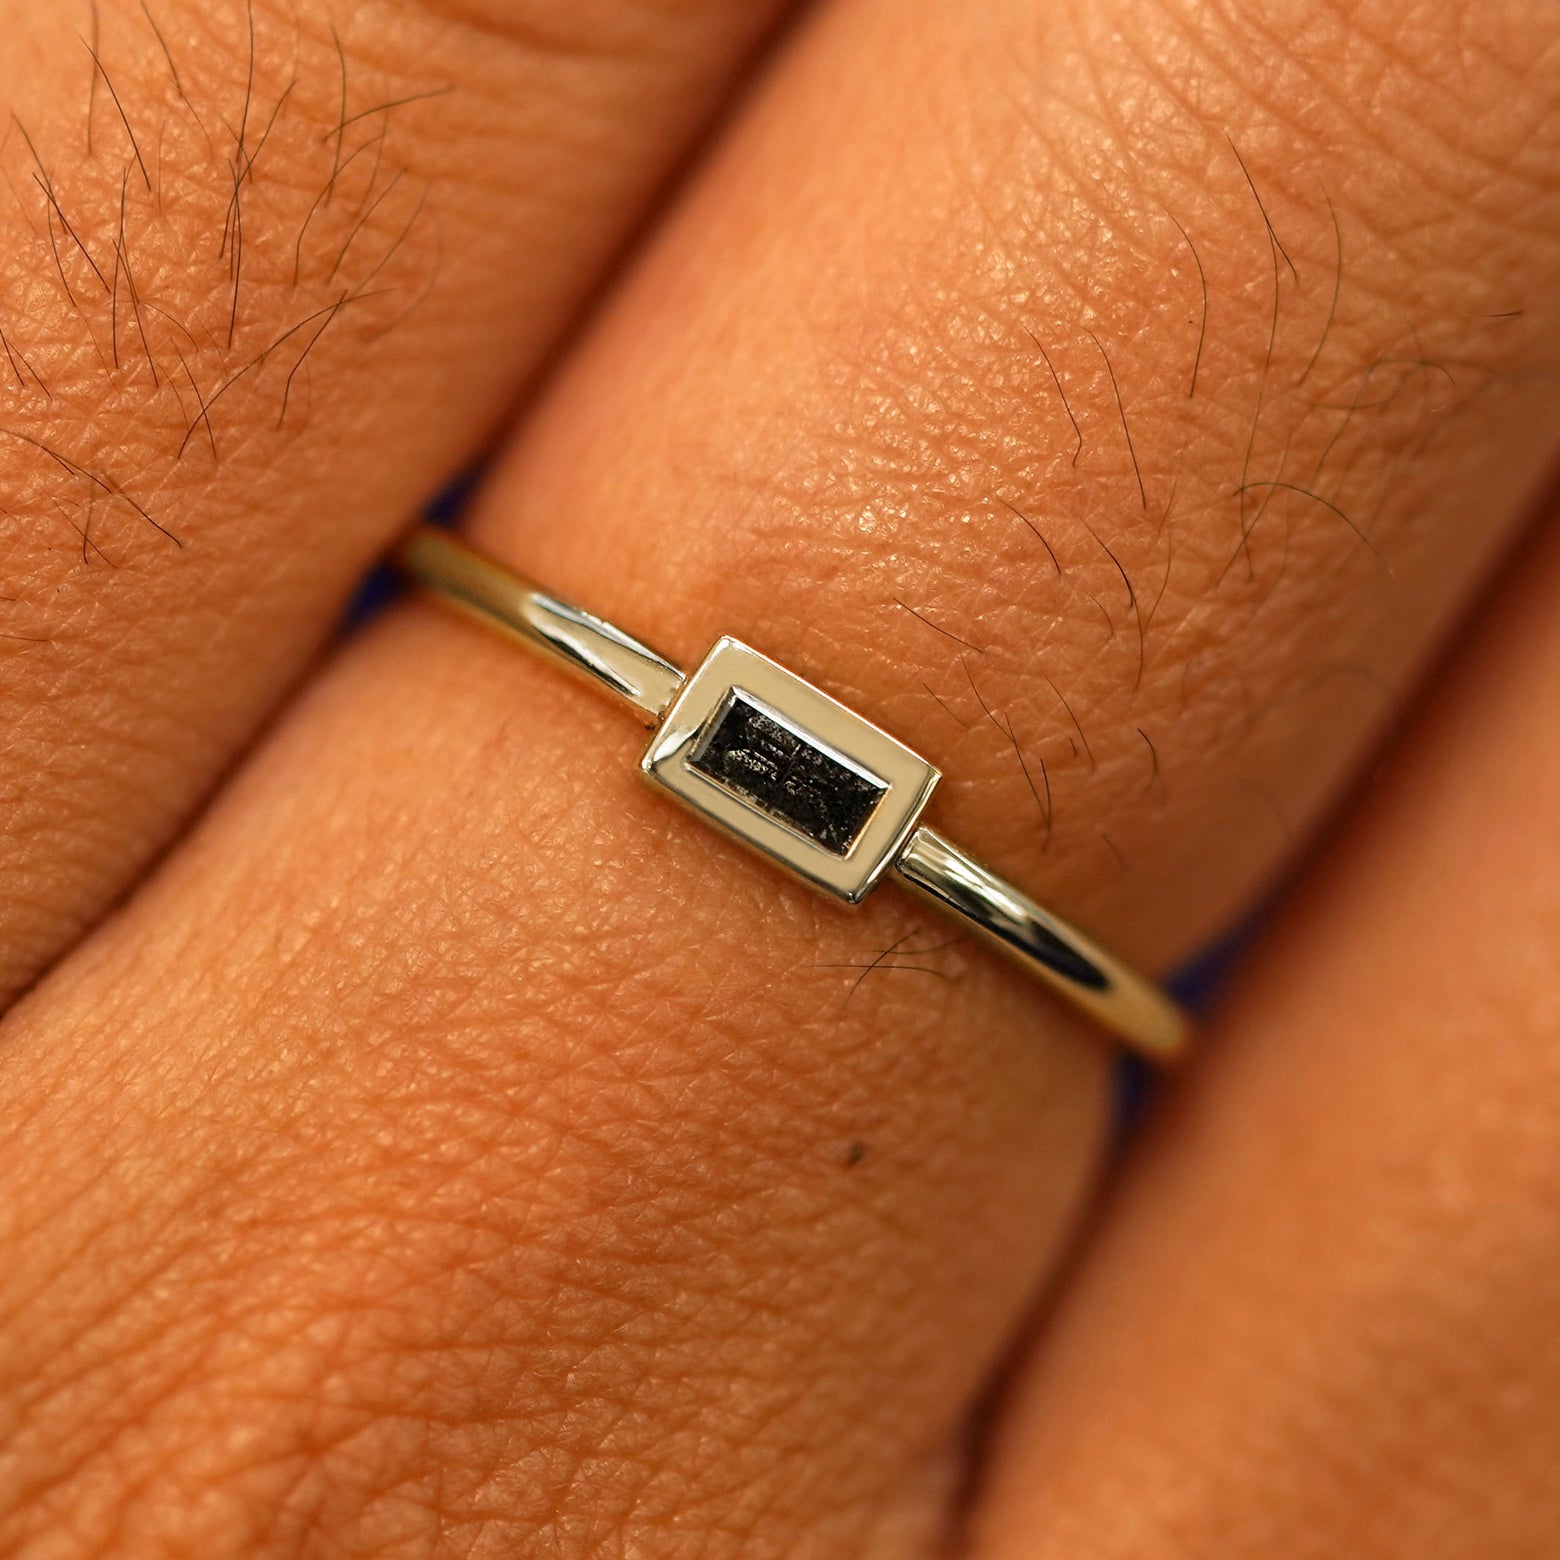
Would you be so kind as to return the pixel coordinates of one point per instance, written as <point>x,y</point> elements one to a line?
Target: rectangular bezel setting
<point>791,772</point>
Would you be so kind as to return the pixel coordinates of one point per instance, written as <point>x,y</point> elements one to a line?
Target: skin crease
<point>1322,1321</point>
<point>136,660</point>
<point>455,1151</point>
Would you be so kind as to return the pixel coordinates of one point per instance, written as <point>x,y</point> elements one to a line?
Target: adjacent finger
<point>269,274</point>
<point>579,1196</point>
<point>1320,1320</point>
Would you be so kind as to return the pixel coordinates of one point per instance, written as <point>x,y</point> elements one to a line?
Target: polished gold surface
<point>1071,964</point>
<point>500,599</point>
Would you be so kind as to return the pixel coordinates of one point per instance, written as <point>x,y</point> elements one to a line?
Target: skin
<point>1368,1171</point>
<point>449,1148</point>
<point>371,259</point>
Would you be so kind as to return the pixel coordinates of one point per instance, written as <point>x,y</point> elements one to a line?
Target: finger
<point>698,1232</point>
<point>263,287</point>
<point>1167,569</point>
<point>1321,1318</point>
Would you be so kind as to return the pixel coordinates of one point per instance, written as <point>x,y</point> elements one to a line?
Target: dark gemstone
<point>783,774</point>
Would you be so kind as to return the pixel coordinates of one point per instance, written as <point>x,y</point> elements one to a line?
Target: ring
<point>791,773</point>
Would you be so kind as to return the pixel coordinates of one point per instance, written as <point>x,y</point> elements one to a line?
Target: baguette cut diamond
<point>786,773</point>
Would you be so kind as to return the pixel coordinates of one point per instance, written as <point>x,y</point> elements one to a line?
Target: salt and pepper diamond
<point>755,752</point>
